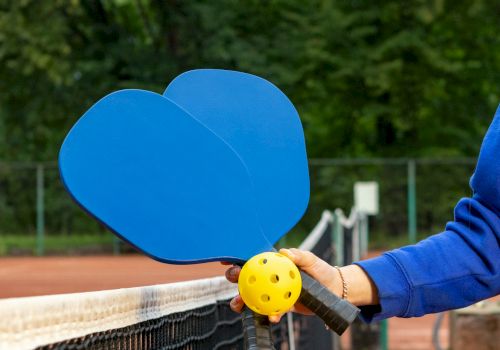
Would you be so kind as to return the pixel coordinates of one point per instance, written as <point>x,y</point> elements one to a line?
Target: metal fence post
<point>384,339</point>
<point>412,202</point>
<point>338,239</point>
<point>365,234</point>
<point>40,215</point>
<point>356,240</point>
<point>116,245</point>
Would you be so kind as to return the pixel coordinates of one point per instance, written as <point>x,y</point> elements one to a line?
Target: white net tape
<point>26,323</point>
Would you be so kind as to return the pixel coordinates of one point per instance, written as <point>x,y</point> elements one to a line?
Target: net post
<point>116,245</point>
<point>356,237</point>
<point>256,331</point>
<point>338,238</point>
<point>365,234</point>
<point>40,215</point>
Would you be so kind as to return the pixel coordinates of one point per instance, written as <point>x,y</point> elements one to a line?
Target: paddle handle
<point>256,331</point>
<point>337,313</point>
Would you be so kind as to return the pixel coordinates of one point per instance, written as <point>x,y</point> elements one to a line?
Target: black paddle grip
<point>337,313</point>
<point>256,331</point>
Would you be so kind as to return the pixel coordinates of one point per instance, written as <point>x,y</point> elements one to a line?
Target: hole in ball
<point>265,298</point>
<point>263,261</point>
<point>288,295</point>
<point>251,279</point>
<point>275,278</point>
<point>277,310</point>
<point>292,274</point>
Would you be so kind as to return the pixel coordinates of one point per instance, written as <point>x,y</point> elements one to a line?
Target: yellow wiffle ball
<point>269,283</point>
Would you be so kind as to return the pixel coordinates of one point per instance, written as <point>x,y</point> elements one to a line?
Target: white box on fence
<point>366,197</point>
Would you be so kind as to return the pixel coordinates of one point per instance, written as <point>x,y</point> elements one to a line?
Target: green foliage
<point>61,245</point>
<point>391,79</point>
<point>369,79</point>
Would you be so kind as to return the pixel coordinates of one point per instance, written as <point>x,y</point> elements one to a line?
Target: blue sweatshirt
<point>452,269</point>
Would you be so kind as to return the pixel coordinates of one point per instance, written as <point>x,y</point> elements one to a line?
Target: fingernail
<point>274,319</point>
<point>288,252</point>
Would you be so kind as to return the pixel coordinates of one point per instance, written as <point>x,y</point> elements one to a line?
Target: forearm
<point>446,271</point>
<point>360,288</point>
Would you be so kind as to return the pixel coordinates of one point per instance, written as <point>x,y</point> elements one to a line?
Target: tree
<point>413,78</point>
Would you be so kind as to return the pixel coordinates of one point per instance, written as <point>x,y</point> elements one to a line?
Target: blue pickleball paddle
<point>263,127</point>
<point>161,180</point>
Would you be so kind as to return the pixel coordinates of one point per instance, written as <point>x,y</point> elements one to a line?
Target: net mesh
<point>209,327</point>
<point>187,315</point>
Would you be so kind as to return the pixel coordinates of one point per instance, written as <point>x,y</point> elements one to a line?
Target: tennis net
<point>187,315</point>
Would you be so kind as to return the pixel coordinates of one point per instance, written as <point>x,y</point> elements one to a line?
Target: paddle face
<point>161,181</point>
<point>263,127</point>
<point>167,184</point>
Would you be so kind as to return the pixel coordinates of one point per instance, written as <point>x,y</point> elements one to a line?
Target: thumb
<point>303,259</point>
<point>313,266</point>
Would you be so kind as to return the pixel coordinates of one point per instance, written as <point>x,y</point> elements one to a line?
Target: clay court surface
<point>28,276</point>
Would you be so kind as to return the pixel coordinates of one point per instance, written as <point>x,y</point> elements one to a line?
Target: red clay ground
<point>28,276</point>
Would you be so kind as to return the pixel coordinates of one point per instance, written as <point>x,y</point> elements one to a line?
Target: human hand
<point>317,268</point>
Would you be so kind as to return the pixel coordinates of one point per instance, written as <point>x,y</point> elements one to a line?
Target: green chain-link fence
<point>417,197</point>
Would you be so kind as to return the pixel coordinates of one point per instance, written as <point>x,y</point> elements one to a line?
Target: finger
<point>237,304</point>
<point>233,273</point>
<point>303,259</point>
<point>275,318</point>
<point>318,269</point>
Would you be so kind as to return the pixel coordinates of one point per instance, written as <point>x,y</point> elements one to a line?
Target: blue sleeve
<point>455,268</point>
